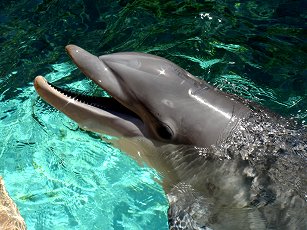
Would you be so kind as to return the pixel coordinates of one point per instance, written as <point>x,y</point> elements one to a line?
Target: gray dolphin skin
<point>225,162</point>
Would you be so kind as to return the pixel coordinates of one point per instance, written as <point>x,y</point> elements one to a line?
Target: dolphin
<point>151,97</point>
<point>216,152</point>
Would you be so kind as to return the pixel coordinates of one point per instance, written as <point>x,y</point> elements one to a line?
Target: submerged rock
<point>10,218</point>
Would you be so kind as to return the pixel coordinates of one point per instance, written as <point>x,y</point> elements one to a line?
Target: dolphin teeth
<point>67,95</point>
<point>82,98</point>
<point>53,87</point>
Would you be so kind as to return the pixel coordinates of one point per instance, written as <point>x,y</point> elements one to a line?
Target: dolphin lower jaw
<point>98,114</point>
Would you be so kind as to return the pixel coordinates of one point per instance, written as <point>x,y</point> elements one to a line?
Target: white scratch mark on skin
<point>168,103</point>
<point>201,100</point>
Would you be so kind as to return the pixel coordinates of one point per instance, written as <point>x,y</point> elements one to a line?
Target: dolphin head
<point>151,97</point>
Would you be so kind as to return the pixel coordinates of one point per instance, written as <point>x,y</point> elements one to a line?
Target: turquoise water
<point>64,178</point>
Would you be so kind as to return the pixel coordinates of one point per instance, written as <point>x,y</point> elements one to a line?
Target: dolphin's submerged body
<point>226,163</point>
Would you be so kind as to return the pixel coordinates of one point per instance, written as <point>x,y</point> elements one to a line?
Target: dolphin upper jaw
<point>96,70</point>
<point>99,71</point>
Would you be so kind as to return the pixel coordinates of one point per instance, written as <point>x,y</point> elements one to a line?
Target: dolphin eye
<point>165,132</point>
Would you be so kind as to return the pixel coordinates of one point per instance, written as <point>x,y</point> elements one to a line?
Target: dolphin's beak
<point>95,69</point>
<point>103,115</point>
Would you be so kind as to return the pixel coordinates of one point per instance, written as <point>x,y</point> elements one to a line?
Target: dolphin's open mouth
<point>108,104</point>
<point>99,114</point>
